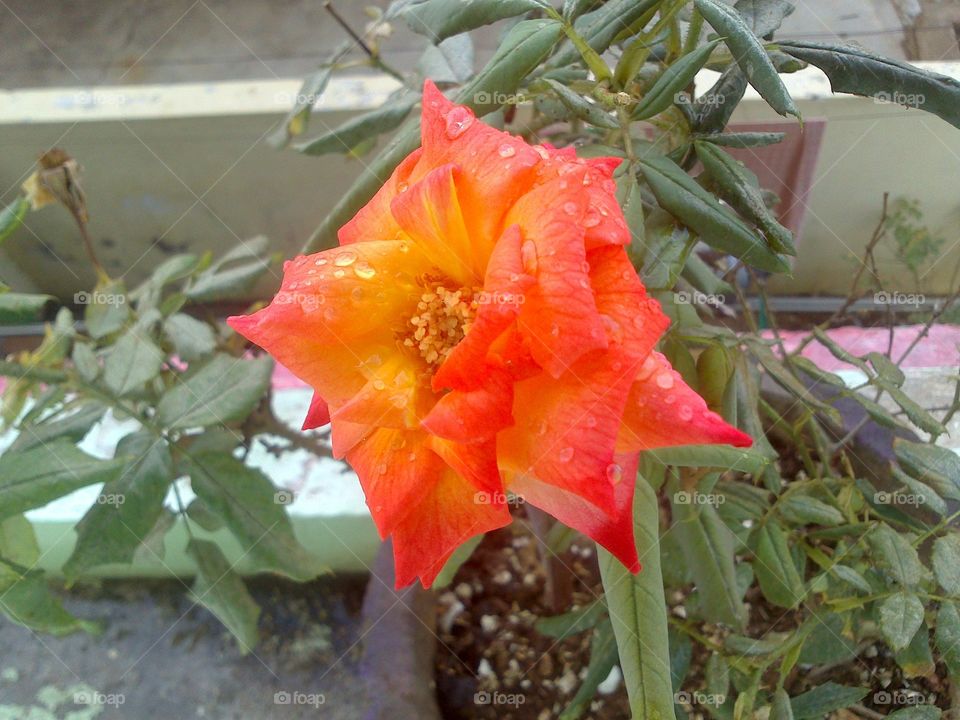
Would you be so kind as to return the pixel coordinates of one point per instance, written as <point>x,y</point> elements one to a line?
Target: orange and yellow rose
<point>480,331</point>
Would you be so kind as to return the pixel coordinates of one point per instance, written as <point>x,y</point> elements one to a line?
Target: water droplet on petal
<point>321,261</point>
<point>382,469</point>
<point>614,473</point>
<point>685,412</point>
<point>555,330</point>
<point>347,257</point>
<point>379,384</point>
<point>528,256</point>
<point>404,247</point>
<point>646,370</point>
<point>591,421</point>
<point>570,208</point>
<point>591,220</point>
<point>542,152</point>
<point>338,273</point>
<point>364,271</point>
<point>402,187</point>
<point>565,455</point>
<point>670,399</point>
<point>459,120</point>
<point>506,151</point>
<point>665,380</point>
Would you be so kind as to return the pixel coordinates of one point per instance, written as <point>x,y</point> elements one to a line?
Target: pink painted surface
<point>938,349</point>
<point>786,168</point>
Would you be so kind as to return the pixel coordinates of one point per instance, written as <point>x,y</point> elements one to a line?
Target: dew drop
<point>321,261</point>
<point>528,256</point>
<point>555,330</point>
<point>382,469</point>
<point>379,384</point>
<point>591,220</point>
<point>542,152</point>
<point>506,151</point>
<point>685,412</point>
<point>570,208</point>
<point>459,120</point>
<point>585,266</point>
<point>614,473</point>
<point>670,399</point>
<point>411,457</point>
<point>665,380</point>
<point>338,273</point>
<point>364,271</point>
<point>404,247</point>
<point>542,428</point>
<point>591,421</point>
<point>646,370</point>
<point>347,257</point>
<point>565,455</point>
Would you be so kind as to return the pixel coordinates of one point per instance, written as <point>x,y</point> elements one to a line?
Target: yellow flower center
<point>441,321</point>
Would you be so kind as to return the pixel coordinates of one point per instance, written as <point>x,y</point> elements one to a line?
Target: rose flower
<point>481,332</point>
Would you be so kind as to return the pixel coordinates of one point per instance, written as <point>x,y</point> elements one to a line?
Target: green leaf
<point>917,712</point>
<point>780,708</point>
<point>639,614</point>
<point>754,647</point>
<point>714,108</point>
<point>127,509</point>
<point>900,615</point>
<point>788,381</point>
<point>131,362</point>
<point>736,187</point>
<point>947,637</point>
<point>32,478</point>
<point>764,17</point>
<point>106,308</point>
<point>749,54</point>
<point>573,622</point>
<point>743,139</point>
<point>936,466</point>
<point>600,27</point>
<point>674,79</point>
<point>719,456</point>
<point>217,283</point>
<point>852,577</point>
<point>449,61</point>
<point>916,660</point>
<point>826,698</point>
<point>344,138</point>
<point>85,361</point>
<point>22,308</point>
<point>581,107</point>
<point>191,338</point>
<point>886,368</point>
<point>803,509</point>
<point>222,592</point>
<point>603,657</point>
<point>700,211</point>
<point>776,571</point>
<point>946,562</point>
<point>72,425</point>
<point>703,535</point>
<point>224,390</point>
<point>851,69</point>
<point>456,561</point>
<point>28,601</point>
<point>11,217</point>
<point>525,46</point>
<point>247,502</point>
<point>826,643</point>
<point>896,555</point>
<point>917,414</point>
<point>440,19</point>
